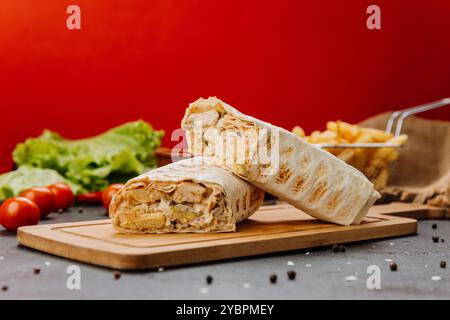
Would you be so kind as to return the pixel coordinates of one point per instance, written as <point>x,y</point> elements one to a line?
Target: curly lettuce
<point>14,182</point>
<point>93,163</point>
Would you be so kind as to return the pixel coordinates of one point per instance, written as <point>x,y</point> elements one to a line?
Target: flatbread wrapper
<point>297,172</point>
<point>191,195</point>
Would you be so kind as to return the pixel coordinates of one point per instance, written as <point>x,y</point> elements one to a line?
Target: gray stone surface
<point>321,273</point>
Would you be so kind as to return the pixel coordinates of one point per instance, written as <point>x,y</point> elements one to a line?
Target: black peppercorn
<point>434,226</point>
<point>209,279</point>
<point>80,210</point>
<point>5,288</point>
<point>393,266</point>
<point>341,248</point>
<point>443,264</point>
<point>117,275</point>
<point>36,270</point>
<point>435,239</point>
<point>335,248</point>
<point>291,275</point>
<point>273,278</point>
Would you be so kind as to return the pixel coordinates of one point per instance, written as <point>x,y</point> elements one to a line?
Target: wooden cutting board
<point>272,229</point>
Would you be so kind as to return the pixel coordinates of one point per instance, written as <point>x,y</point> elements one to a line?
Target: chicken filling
<point>240,137</point>
<point>173,207</point>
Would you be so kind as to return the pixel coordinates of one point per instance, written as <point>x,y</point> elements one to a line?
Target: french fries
<point>374,163</point>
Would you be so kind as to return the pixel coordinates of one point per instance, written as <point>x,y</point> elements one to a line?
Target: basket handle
<point>405,113</point>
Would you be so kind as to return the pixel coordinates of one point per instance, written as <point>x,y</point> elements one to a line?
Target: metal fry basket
<point>398,119</point>
<point>377,159</point>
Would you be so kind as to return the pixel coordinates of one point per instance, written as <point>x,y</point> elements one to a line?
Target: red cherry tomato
<point>109,192</point>
<point>91,197</point>
<point>17,212</point>
<point>64,197</point>
<point>43,197</point>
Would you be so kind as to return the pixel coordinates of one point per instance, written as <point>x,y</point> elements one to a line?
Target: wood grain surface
<point>272,229</point>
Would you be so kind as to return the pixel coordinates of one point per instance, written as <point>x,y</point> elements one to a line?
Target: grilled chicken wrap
<point>279,162</point>
<point>191,195</point>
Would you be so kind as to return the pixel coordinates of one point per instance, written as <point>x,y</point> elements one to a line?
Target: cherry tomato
<point>64,197</point>
<point>17,212</point>
<point>91,197</point>
<point>109,192</point>
<point>43,197</point>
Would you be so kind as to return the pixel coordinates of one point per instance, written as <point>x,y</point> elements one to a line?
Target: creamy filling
<point>240,140</point>
<point>173,207</point>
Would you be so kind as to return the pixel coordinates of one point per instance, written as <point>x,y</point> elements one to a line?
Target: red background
<point>285,61</point>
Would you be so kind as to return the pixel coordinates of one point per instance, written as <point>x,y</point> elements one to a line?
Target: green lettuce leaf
<point>93,163</point>
<point>14,182</point>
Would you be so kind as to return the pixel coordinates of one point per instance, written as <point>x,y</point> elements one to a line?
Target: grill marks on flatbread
<point>305,176</point>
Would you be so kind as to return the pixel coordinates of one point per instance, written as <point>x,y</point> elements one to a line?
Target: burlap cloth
<point>422,172</point>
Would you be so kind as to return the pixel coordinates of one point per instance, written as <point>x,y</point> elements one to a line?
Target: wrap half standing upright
<point>278,162</point>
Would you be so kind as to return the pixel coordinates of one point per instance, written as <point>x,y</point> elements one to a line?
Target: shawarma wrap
<point>191,195</point>
<point>279,162</point>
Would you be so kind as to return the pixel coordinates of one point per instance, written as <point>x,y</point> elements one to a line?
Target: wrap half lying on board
<point>279,162</point>
<point>191,195</point>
